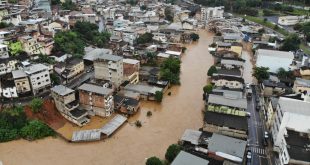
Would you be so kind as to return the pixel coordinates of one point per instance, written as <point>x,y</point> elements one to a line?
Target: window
<point>45,75</point>
<point>38,78</point>
<point>39,83</point>
<point>47,80</point>
<point>17,83</point>
<point>24,83</point>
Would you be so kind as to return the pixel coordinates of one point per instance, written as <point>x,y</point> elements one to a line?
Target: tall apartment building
<point>39,77</point>
<point>109,67</point>
<point>211,12</point>
<point>98,100</point>
<point>290,122</point>
<point>31,46</point>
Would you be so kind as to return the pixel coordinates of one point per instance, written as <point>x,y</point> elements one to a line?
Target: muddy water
<point>130,145</point>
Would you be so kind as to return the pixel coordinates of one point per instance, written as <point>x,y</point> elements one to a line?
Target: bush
<point>158,96</point>
<point>36,105</point>
<point>170,70</point>
<point>261,73</point>
<point>138,123</point>
<point>212,70</point>
<point>153,161</point>
<point>145,38</point>
<point>36,129</point>
<point>194,36</point>
<point>149,114</point>
<point>291,43</point>
<point>208,88</point>
<point>172,151</point>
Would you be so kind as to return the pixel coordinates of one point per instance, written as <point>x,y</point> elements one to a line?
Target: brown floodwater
<point>130,145</point>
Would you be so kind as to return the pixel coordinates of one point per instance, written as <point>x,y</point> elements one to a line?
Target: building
<point>7,65</point>
<point>126,105</point>
<point>30,45</point>
<point>301,85</point>
<point>271,106</point>
<point>4,51</point>
<point>228,81</point>
<point>292,20</point>
<point>73,67</point>
<point>185,158</point>
<point>212,13</point>
<point>131,70</point>
<point>291,114</point>
<point>273,88</point>
<point>109,67</point>
<point>67,105</point>
<point>267,58</point>
<point>39,77</point>
<point>97,100</point>
<point>21,81</point>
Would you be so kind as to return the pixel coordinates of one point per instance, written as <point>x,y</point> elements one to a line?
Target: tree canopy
<point>36,104</point>
<point>36,129</point>
<point>172,152</point>
<point>212,70</point>
<point>291,43</point>
<point>15,48</point>
<point>69,42</point>
<point>153,161</point>
<point>208,88</point>
<point>159,96</point>
<point>67,5</point>
<point>145,38</point>
<point>169,14</point>
<point>194,36</point>
<point>261,73</point>
<point>170,70</point>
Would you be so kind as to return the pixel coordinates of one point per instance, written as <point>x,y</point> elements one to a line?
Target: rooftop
<point>191,136</point>
<point>302,82</point>
<point>185,158</point>
<point>130,61</point>
<point>62,90</point>
<point>114,124</point>
<point>228,145</point>
<point>275,53</point>
<point>18,74</point>
<point>95,89</point>
<point>229,78</point>
<point>294,106</point>
<point>223,120</point>
<point>35,68</point>
<point>227,100</point>
<point>298,146</point>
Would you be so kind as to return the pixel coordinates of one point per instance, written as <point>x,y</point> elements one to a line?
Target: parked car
<point>257,107</point>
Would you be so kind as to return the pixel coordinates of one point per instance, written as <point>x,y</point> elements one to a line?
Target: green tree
<point>143,7</point>
<point>69,5</point>
<point>36,105</point>
<point>212,70</point>
<point>194,36</point>
<point>36,129</point>
<point>55,2</point>
<point>168,14</point>
<point>261,73</point>
<point>153,161</point>
<point>158,96</point>
<point>15,48</point>
<point>5,25</point>
<point>291,43</point>
<point>55,79</point>
<point>282,73</point>
<point>145,38</point>
<point>208,88</point>
<point>172,151</point>
<point>170,70</point>
<point>69,42</point>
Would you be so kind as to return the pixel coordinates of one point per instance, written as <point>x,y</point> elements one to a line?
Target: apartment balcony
<point>72,105</point>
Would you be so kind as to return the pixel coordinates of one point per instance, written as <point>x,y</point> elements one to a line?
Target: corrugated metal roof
<point>185,158</point>
<point>113,125</point>
<point>191,136</point>
<point>86,135</point>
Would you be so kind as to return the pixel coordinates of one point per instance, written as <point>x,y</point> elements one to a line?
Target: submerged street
<point>176,113</point>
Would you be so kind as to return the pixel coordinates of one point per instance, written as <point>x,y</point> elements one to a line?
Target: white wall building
<point>4,51</point>
<point>290,114</point>
<point>274,59</point>
<point>39,77</point>
<point>212,13</point>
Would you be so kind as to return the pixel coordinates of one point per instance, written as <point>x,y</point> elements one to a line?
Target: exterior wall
<point>8,67</point>
<point>229,84</point>
<point>270,116</point>
<point>305,72</point>
<point>39,81</point>
<point>100,105</point>
<point>109,70</point>
<point>4,52</point>
<point>298,89</point>
<point>9,92</point>
<point>22,85</point>
<point>225,131</point>
<point>237,49</point>
<point>31,46</point>
<point>76,69</point>
<point>131,72</point>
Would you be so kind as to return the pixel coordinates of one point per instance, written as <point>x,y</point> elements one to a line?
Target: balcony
<point>72,105</point>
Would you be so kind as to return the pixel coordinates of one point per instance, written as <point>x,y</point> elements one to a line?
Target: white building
<point>39,77</point>
<point>4,51</point>
<point>291,114</point>
<point>291,20</point>
<point>109,67</point>
<point>274,59</point>
<point>212,13</point>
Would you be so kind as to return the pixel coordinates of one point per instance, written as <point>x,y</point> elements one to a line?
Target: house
<point>67,105</point>
<point>109,67</point>
<point>273,88</point>
<point>98,100</point>
<point>4,51</point>
<point>126,105</point>
<point>232,37</point>
<point>131,70</point>
<point>60,57</point>
<point>71,68</point>
<point>226,124</point>
<point>301,85</point>
<point>291,114</point>
<point>174,54</point>
<point>292,20</point>
<point>7,65</point>
<point>227,148</point>
<point>231,100</point>
<point>228,81</point>
<point>39,77</point>
<point>185,158</point>
<point>7,87</point>
<point>91,54</point>
<point>231,63</point>
<point>235,72</point>
<point>21,81</point>
<point>30,45</point>
<point>146,92</point>
<point>267,58</point>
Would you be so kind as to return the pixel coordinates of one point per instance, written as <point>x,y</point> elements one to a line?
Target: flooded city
<point>131,145</point>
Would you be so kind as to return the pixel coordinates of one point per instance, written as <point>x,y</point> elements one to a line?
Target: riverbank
<point>131,145</point>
